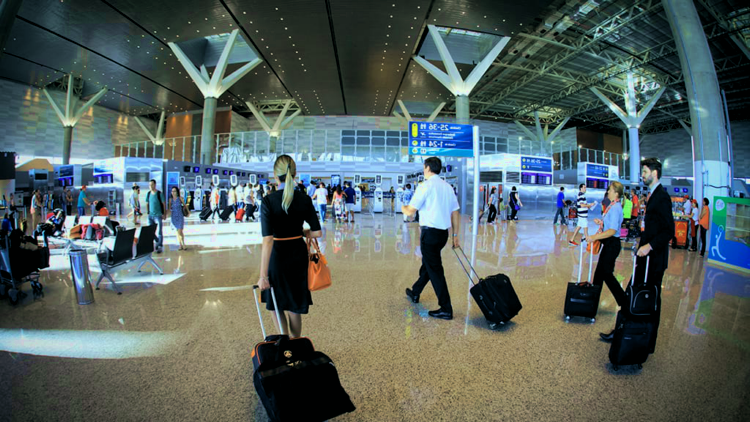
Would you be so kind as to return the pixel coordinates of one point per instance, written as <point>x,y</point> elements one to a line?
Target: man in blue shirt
<point>83,201</point>
<point>311,189</point>
<point>156,214</point>
<point>560,206</point>
<point>351,199</point>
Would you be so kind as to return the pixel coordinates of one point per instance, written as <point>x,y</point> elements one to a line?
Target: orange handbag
<point>318,274</point>
<point>594,247</point>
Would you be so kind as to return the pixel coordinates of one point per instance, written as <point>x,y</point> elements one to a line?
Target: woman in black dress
<point>284,257</point>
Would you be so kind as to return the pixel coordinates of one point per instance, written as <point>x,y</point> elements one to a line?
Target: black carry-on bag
<point>494,294</point>
<point>582,299</point>
<point>225,213</point>
<point>205,213</point>
<point>293,381</point>
<point>641,297</point>
<point>630,344</point>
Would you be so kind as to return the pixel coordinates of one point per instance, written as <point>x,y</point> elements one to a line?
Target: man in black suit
<point>658,231</point>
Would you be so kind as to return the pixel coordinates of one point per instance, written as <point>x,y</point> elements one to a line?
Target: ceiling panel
<point>102,30</point>
<point>375,40</point>
<point>295,39</point>
<point>32,44</point>
<point>489,16</point>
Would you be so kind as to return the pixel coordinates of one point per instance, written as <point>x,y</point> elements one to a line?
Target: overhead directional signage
<point>595,170</point>
<point>443,139</point>
<point>536,164</point>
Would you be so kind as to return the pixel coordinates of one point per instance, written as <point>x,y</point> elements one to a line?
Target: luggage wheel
<point>640,366</point>
<point>615,368</point>
<point>495,325</point>
<point>593,320</point>
<point>567,318</point>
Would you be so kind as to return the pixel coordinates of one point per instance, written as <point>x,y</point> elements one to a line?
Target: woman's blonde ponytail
<point>286,168</point>
<point>286,199</point>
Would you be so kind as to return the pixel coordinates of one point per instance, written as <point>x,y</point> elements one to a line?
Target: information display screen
<point>594,183</point>
<point>599,171</point>
<point>531,178</point>
<point>66,171</point>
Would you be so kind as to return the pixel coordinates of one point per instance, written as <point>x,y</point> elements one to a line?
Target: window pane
<point>318,144</point>
<point>304,137</point>
<point>378,141</point>
<point>378,154</point>
<point>347,152</point>
<point>393,154</point>
<point>363,151</point>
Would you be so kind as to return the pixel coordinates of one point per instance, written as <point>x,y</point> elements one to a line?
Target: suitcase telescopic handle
<point>468,274</point>
<point>260,314</point>
<point>648,261</point>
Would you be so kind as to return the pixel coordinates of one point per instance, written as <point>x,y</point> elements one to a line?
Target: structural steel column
<point>710,168</point>
<point>207,132</point>
<point>462,109</point>
<point>67,143</point>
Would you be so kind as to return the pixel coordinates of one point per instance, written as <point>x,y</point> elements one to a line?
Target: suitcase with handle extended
<point>226,213</point>
<point>630,344</point>
<point>633,331</point>
<point>205,213</point>
<point>641,297</point>
<point>293,381</point>
<point>494,294</point>
<point>582,299</point>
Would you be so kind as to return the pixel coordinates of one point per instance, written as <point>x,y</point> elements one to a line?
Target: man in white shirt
<point>438,209</point>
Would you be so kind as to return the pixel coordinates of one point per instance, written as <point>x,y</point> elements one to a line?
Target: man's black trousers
<point>432,241</point>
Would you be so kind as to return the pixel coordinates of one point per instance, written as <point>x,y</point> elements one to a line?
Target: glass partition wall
<point>386,146</point>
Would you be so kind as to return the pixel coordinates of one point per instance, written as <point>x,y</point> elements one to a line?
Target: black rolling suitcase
<point>205,213</point>
<point>633,330</point>
<point>225,213</point>
<point>293,381</point>
<point>582,299</point>
<point>630,344</point>
<point>494,294</point>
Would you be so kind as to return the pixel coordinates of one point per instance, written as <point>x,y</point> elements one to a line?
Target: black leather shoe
<point>439,313</point>
<point>607,337</point>
<point>414,298</point>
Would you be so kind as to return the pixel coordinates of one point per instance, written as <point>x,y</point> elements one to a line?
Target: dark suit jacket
<point>659,229</point>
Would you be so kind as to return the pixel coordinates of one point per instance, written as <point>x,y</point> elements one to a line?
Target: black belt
<point>432,228</point>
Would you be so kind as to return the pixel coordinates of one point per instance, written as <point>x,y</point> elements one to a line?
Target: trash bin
<point>79,270</point>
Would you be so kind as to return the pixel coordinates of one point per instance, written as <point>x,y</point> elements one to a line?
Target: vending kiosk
<point>358,203</point>
<point>377,204</point>
<point>399,199</point>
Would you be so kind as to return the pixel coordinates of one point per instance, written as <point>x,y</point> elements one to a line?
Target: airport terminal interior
<point>546,116</point>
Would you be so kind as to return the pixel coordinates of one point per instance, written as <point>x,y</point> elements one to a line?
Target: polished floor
<point>177,347</point>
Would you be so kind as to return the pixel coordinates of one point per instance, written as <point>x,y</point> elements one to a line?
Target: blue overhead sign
<point>594,170</point>
<point>536,164</point>
<point>443,139</point>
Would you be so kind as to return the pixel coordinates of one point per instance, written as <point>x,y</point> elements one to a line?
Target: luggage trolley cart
<point>26,269</point>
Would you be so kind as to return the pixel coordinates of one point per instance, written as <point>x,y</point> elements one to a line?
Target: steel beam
<point>596,34</point>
